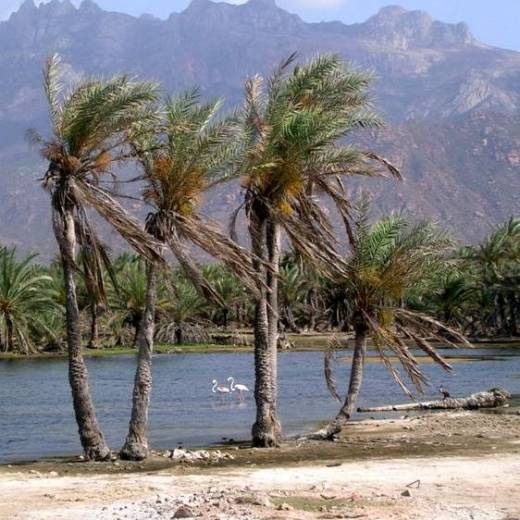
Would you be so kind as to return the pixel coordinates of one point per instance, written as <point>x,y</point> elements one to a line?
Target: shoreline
<point>301,345</point>
<point>458,457</point>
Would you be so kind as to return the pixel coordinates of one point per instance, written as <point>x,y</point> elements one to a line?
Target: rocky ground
<point>440,466</point>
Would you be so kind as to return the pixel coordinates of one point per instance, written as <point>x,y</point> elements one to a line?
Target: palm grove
<point>394,282</point>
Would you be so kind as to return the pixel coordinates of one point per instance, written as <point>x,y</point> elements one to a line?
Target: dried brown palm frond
<point>425,322</point>
<point>330,356</point>
<point>126,225</point>
<point>208,236</point>
<point>191,269</point>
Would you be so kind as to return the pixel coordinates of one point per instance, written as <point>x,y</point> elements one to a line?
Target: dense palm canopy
<point>400,283</point>
<point>26,302</point>
<point>294,124</point>
<point>90,125</point>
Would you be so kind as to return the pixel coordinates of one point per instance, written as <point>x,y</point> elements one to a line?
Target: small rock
<point>184,512</point>
<point>262,501</point>
<point>53,474</point>
<point>406,493</point>
<point>284,507</point>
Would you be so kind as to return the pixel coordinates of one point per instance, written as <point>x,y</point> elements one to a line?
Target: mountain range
<point>452,103</point>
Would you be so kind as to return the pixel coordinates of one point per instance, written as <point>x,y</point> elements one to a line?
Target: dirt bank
<point>464,465</point>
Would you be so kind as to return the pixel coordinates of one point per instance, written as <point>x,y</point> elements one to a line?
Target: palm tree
<point>180,164</point>
<point>292,126</point>
<point>387,261</point>
<point>497,264</point>
<point>292,285</point>
<point>127,296</point>
<point>25,299</point>
<point>90,126</point>
<point>230,292</point>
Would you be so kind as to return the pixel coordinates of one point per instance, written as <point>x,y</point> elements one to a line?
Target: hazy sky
<point>493,21</point>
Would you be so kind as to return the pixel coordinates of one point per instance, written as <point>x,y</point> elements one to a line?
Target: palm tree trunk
<point>92,439</point>
<point>289,319</point>
<point>266,430</point>
<point>502,313</point>
<point>225,314</point>
<point>136,444</point>
<point>94,327</point>
<point>273,236</point>
<point>356,378</point>
<point>513,304</point>
<point>9,333</point>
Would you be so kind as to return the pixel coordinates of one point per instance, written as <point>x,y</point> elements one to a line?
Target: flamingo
<point>219,389</point>
<point>240,388</point>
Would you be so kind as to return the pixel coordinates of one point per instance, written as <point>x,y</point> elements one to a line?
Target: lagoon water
<point>36,418</point>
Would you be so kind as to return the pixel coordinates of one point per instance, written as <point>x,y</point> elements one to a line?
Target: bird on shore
<point>222,390</point>
<point>444,392</point>
<point>241,389</point>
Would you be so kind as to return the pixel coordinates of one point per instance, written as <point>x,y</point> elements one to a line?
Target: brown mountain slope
<point>453,102</point>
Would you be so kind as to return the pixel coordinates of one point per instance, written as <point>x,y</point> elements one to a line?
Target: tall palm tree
<point>292,126</point>
<point>180,163</point>
<point>497,264</point>
<point>90,128</point>
<point>388,260</point>
<point>25,298</point>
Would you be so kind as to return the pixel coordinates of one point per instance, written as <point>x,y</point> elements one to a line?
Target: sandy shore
<point>452,466</point>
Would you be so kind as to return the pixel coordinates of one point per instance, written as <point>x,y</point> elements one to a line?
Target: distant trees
<point>27,301</point>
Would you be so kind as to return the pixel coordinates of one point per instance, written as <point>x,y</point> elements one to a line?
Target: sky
<point>494,22</point>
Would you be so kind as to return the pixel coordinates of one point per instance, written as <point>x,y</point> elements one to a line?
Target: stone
<point>184,512</point>
<point>284,507</point>
<point>262,501</point>
<point>406,493</point>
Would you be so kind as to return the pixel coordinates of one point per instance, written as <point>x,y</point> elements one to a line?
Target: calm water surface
<point>36,418</point>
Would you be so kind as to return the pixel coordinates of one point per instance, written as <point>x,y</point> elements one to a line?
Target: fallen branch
<point>492,399</point>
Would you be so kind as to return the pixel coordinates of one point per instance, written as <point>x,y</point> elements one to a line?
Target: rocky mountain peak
<point>89,6</point>
<point>404,29</point>
<point>27,10</point>
<point>260,14</point>
<point>262,4</point>
<point>58,7</point>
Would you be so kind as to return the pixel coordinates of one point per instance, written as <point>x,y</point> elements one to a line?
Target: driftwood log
<point>491,399</point>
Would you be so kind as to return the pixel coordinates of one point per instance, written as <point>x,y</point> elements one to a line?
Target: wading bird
<point>219,389</point>
<point>241,389</point>
<point>444,392</point>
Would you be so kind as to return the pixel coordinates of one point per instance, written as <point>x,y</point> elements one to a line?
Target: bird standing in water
<point>241,389</point>
<point>222,390</point>
<point>444,392</point>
